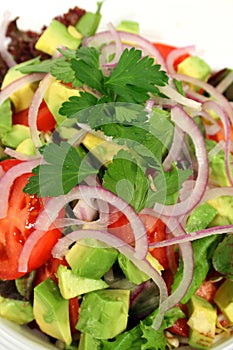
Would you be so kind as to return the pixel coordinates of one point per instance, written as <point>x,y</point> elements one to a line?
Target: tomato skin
<point>45,119</point>
<point>119,226</point>
<point>165,49</point>
<point>16,227</point>
<point>49,269</point>
<point>180,327</point>
<point>73,313</point>
<point>207,290</point>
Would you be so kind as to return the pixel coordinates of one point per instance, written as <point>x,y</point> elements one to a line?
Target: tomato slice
<point>165,49</point>
<point>120,227</point>
<point>45,119</point>
<point>16,227</point>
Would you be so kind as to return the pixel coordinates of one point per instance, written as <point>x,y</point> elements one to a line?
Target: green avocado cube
<point>202,322</point>
<point>72,285</point>
<point>224,298</point>
<point>18,311</point>
<point>91,258</point>
<point>104,313</point>
<point>51,311</point>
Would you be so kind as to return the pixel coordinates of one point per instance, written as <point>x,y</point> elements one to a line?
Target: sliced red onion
<point>212,91</point>
<point>175,149</point>
<point>215,192</point>
<point>19,83</point>
<point>6,56</point>
<point>84,211</point>
<point>212,127</point>
<point>26,251</point>
<point>188,268</point>
<point>175,54</point>
<point>63,244</point>
<point>21,156</point>
<point>213,106</point>
<point>53,207</point>
<point>187,124</point>
<point>217,230</point>
<point>135,40</point>
<point>8,178</point>
<point>178,98</point>
<point>34,107</point>
<point>118,44</point>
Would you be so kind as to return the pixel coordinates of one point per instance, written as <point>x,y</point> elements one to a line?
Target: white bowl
<point>205,23</point>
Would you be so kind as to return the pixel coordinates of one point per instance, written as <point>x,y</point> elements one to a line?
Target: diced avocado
<point>51,311</point>
<point>224,298</point>
<point>90,258</point>
<point>202,322</point>
<point>18,311</point>
<point>128,26</point>
<point>71,285</point>
<point>56,35</point>
<point>21,98</point>
<point>16,135</point>
<point>55,95</point>
<point>104,313</point>
<point>131,271</point>
<point>27,147</point>
<point>217,169</point>
<point>194,66</point>
<point>5,116</point>
<point>89,22</point>
<point>224,207</point>
<point>88,342</point>
<point>102,149</point>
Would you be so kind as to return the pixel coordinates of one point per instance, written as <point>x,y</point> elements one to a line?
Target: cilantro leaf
<point>87,68</point>
<point>62,70</point>
<point>64,169</point>
<point>134,77</point>
<point>75,104</point>
<point>36,66</point>
<point>125,178</point>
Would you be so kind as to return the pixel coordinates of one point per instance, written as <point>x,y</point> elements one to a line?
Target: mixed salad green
<point>116,188</point>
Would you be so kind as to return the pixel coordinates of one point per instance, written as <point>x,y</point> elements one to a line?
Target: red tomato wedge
<point>45,119</point>
<point>16,227</point>
<point>120,227</point>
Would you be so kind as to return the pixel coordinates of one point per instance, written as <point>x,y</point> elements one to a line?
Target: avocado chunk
<point>16,135</point>
<point>194,66</point>
<point>87,342</point>
<point>27,147</point>
<point>224,206</point>
<point>131,271</point>
<point>104,313</point>
<point>71,285</point>
<point>51,311</point>
<point>18,311</point>
<point>56,35</point>
<point>21,98</point>
<point>91,258</point>
<point>102,149</point>
<point>202,322</point>
<point>224,298</point>
<point>55,95</point>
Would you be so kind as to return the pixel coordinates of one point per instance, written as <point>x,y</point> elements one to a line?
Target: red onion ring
<point>7,180</point>
<point>17,84</point>
<point>21,156</point>
<point>181,118</point>
<point>211,105</point>
<point>6,56</point>
<point>176,53</point>
<point>212,91</point>
<point>175,149</point>
<point>136,40</point>
<point>217,230</point>
<point>34,107</point>
<point>54,205</point>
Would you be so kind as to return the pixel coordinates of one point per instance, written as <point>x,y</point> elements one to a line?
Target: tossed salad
<point>116,188</point>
